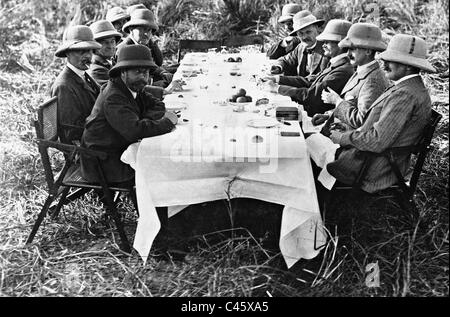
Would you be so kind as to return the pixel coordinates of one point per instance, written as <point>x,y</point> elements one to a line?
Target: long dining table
<point>224,150</point>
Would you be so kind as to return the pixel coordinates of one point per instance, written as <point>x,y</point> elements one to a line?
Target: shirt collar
<point>364,67</point>
<point>311,48</point>
<point>336,59</point>
<point>77,71</point>
<point>405,78</point>
<point>133,93</point>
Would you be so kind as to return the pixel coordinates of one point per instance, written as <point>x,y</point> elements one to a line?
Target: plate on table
<point>263,123</point>
<point>176,105</point>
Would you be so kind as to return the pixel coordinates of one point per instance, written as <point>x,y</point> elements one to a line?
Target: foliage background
<point>77,255</point>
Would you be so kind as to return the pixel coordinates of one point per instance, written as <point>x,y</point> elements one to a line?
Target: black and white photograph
<point>224,155</point>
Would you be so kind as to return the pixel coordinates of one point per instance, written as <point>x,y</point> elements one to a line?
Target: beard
<point>136,86</point>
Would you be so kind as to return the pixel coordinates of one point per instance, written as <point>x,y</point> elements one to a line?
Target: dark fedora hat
<point>132,56</point>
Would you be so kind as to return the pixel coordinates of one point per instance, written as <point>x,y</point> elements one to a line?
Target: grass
<point>78,255</point>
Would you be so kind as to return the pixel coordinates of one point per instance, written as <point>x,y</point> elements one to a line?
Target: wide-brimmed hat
<point>103,29</point>
<point>77,37</point>
<point>288,12</point>
<point>408,50</point>
<point>141,17</point>
<point>130,9</point>
<point>132,56</point>
<point>335,30</point>
<point>304,19</point>
<point>364,35</point>
<point>116,14</point>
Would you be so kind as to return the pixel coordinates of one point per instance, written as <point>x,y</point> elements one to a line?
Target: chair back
<point>243,40</point>
<point>46,127</point>
<point>423,147</point>
<point>197,46</point>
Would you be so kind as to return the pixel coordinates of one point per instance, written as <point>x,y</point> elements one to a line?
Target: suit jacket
<point>335,77</point>
<point>118,120</point>
<point>161,77</point>
<point>99,69</point>
<point>361,90</point>
<point>395,119</point>
<point>292,61</point>
<point>76,97</point>
<point>277,51</point>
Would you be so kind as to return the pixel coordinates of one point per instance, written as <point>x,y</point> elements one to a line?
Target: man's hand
<point>319,118</point>
<point>286,41</point>
<point>335,136</point>
<point>269,86</point>
<point>176,85</point>
<point>172,117</point>
<point>339,126</point>
<point>330,96</point>
<point>275,70</point>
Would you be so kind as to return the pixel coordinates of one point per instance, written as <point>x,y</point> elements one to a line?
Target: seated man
<point>307,59</point>
<point>118,17</point>
<point>289,43</point>
<point>122,115</point>
<point>141,26</point>
<point>366,84</point>
<point>334,76</point>
<point>395,119</point>
<point>107,36</point>
<point>75,89</point>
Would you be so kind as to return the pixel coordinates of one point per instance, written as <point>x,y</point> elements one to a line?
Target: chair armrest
<point>67,148</point>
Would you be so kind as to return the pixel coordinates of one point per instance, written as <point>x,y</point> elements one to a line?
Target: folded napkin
<point>322,150</point>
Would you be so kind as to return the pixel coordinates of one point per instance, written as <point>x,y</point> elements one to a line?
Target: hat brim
<point>347,43</point>
<point>85,45</point>
<point>139,22</point>
<point>285,18</point>
<point>119,17</point>
<point>106,34</point>
<point>114,71</point>
<point>318,22</point>
<point>407,59</point>
<point>330,37</point>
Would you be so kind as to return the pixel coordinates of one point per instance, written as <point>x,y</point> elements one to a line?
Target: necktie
<point>302,69</point>
<point>90,83</point>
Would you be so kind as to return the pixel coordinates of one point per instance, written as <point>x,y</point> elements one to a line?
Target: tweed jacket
<point>118,120</point>
<point>291,62</point>
<point>161,77</point>
<point>335,76</point>
<point>397,118</point>
<point>99,69</point>
<point>361,90</point>
<point>277,51</point>
<point>76,97</point>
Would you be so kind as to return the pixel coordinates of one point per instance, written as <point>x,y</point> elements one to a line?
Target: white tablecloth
<point>214,155</point>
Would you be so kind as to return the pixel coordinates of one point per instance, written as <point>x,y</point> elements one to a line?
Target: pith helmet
<point>77,37</point>
<point>335,30</point>
<point>304,19</point>
<point>364,35</point>
<point>103,29</point>
<point>288,12</point>
<point>141,17</point>
<point>408,50</point>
